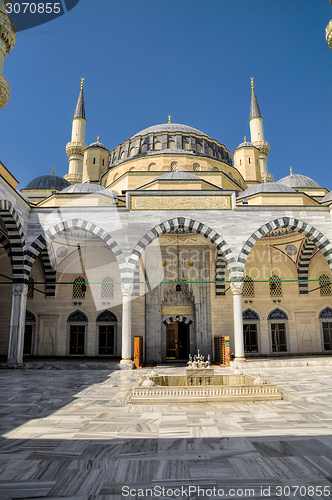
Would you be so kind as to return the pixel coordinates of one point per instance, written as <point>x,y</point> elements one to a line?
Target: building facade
<point>168,237</point>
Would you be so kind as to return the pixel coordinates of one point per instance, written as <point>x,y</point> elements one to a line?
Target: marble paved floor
<point>70,434</point>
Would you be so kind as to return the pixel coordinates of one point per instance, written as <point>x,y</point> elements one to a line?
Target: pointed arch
<point>106,316</point>
<point>77,316</point>
<point>182,319</point>
<point>39,246</point>
<point>326,313</point>
<point>190,225</point>
<point>249,315</point>
<point>313,234</point>
<point>277,314</point>
<point>307,251</point>
<point>16,240</point>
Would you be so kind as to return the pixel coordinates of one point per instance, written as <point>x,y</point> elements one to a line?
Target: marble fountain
<point>199,384</point>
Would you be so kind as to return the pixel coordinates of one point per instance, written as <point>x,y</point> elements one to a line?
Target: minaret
<point>257,134</point>
<point>7,42</point>
<point>328,31</point>
<point>75,148</point>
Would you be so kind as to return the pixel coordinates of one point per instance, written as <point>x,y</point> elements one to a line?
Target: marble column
<point>236,288</point>
<point>126,360</point>
<point>17,323</point>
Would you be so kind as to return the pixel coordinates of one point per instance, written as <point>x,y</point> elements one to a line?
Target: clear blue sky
<point>143,60</point>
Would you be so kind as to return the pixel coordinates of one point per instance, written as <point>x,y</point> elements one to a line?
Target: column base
<point>126,364</point>
<point>238,361</point>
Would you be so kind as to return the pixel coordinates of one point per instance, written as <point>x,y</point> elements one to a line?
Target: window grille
<point>278,337</point>
<point>79,288</point>
<point>325,285</point>
<point>275,286</point>
<point>250,337</point>
<point>248,289</point>
<point>107,288</point>
<point>327,335</point>
<point>196,167</point>
<point>174,166</point>
<point>31,285</point>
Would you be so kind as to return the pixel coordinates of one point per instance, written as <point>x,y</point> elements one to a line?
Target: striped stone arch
<point>220,274</point>
<point>16,239</point>
<point>307,251</point>
<point>321,242</point>
<point>181,223</point>
<point>4,241</point>
<point>39,246</point>
<point>182,319</point>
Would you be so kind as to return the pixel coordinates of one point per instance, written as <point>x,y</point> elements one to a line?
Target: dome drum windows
<point>171,144</point>
<point>196,167</point>
<point>174,166</point>
<point>157,146</point>
<point>152,167</point>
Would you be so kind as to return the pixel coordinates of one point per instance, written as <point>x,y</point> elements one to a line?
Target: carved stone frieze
<point>7,31</point>
<point>4,91</point>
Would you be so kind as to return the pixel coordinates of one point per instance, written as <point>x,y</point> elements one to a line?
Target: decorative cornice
<point>4,91</point>
<point>7,31</point>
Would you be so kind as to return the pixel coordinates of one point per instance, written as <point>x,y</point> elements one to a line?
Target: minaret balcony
<point>75,149</point>
<point>7,31</point>
<point>4,91</point>
<point>328,32</point>
<point>263,146</point>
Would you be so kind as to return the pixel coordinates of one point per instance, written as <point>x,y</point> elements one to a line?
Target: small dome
<point>265,187</point>
<point>169,127</point>
<point>48,182</point>
<point>327,197</point>
<point>88,188</point>
<point>245,145</point>
<point>178,176</point>
<point>97,145</point>
<point>298,181</point>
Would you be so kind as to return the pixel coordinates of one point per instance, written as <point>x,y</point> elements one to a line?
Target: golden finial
<point>82,82</point>
<point>169,118</point>
<point>53,171</point>
<point>97,138</point>
<point>252,82</point>
<point>244,138</point>
<point>291,170</point>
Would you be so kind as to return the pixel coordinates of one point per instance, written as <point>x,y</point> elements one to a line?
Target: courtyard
<point>68,433</point>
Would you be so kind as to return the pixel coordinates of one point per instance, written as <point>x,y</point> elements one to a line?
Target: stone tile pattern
<point>70,434</point>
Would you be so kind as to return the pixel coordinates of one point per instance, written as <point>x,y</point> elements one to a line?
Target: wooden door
<point>172,344</point>
<point>106,339</point>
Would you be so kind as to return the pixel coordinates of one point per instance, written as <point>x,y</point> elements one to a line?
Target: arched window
<point>216,169</point>
<point>30,323</point>
<point>275,286</point>
<point>79,288</point>
<point>31,286</point>
<point>250,331</point>
<point>77,322</point>
<point>144,148</point>
<point>107,322</point>
<point>171,145</point>
<point>325,318</point>
<point>107,288</point>
<point>157,145</point>
<point>325,285</point>
<point>132,151</point>
<point>185,145</point>
<point>131,169</point>
<point>174,166</point>
<point>199,147</point>
<point>196,167</point>
<point>122,155</point>
<point>152,167</point>
<point>248,289</point>
<point>115,177</point>
<point>278,327</point>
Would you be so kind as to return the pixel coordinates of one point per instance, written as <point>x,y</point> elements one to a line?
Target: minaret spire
<point>75,148</point>
<point>257,134</point>
<point>254,106</point>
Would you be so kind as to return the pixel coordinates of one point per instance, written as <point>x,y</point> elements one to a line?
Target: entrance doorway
<point>177,340</point>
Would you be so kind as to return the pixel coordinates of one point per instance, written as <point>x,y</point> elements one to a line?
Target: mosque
<point>169,237</point>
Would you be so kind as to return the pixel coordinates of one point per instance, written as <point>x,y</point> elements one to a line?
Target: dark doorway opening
<point>177,341</point>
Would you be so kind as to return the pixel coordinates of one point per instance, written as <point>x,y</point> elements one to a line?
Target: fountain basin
<point>225,388</point>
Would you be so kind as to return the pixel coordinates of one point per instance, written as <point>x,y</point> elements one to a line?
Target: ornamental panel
<point>180,202</point>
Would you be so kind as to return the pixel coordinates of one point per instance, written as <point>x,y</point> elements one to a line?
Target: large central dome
<point>169,127</point>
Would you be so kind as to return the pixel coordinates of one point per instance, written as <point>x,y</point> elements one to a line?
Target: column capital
<point>19,289</point>
<point>236,287</point>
